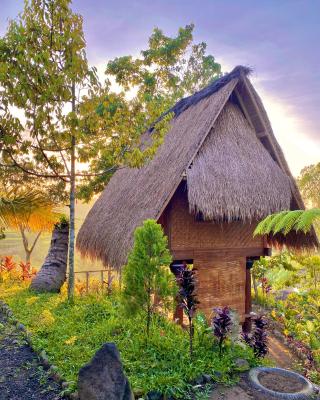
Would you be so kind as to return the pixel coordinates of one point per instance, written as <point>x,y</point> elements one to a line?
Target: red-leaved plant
<point>221,325</point>
<point>258,340</point>
<point>7,264</point>
<point>27,271</point>
<point>188,300</point>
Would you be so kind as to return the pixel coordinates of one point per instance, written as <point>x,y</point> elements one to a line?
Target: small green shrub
<point>148,282</point>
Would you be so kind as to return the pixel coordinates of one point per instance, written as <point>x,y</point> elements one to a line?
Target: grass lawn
<point>71,334</point>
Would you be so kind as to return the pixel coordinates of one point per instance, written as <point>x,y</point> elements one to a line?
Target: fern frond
<point>287,222</point>
<point>276,220</point>
<point>307,219</point>
<point>262,226</point>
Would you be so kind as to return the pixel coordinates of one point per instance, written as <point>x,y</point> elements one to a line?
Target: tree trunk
<point>28,257</point>
<point>255,287</point>
<point>52,274</point>
<point>25,241</point>
<point>72,205</point>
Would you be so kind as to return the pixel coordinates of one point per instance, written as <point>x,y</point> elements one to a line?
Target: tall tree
<point>309,184</point>
<point>68,117</point>
<point>42,62</point>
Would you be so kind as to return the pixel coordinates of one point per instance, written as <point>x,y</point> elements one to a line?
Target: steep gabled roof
<point>134,195</point>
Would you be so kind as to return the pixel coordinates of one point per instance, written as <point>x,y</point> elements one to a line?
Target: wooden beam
<point>191,253</point>
<point>244,108</point>
<point>266,129</point>
<point>261,134</point>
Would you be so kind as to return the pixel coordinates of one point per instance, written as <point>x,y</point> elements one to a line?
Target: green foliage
<point>309,184</point>
<point>148,282</point>
<point>286,221</point>
<point>63,221</point>
<point>61,329</point>
<point>299,313</point>
<point>170,68</point>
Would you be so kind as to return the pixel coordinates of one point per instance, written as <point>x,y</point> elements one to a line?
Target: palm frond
<point>31,210</point>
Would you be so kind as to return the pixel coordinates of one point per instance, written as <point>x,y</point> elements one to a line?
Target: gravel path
<point>21,375</point>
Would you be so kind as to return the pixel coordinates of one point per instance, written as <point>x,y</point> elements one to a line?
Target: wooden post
<point>101,277</point>
<point>87,282</point>
<point>248,302</point>
<point>246,327</point>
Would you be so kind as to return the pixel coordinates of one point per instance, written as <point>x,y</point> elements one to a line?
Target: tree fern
<point>307,219</point>
<point>287,221</point>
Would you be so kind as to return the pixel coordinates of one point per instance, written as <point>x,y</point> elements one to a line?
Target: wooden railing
<point>104,276</point>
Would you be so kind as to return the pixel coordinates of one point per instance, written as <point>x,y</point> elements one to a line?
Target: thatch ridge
<point>183,104</point>
<point>233,176</point>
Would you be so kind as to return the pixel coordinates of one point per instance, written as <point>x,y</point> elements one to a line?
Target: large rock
<point>103,377</point>
<point>52,274</point>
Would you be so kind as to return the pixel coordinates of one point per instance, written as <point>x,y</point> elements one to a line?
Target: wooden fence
<point>104,276</point>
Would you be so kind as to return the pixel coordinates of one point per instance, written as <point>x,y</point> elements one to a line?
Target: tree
<point>148,282</point>
<point>68,117</point>
<point>309,184</point>
<point>25,212</point>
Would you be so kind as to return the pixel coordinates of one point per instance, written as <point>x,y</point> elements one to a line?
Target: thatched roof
<point>247,157</point>
<point>233,175</point>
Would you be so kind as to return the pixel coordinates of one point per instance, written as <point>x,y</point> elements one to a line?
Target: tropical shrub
<point>296,314</point>
<point>9,270</point>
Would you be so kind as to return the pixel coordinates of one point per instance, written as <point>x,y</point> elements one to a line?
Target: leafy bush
<point>10,272</point>
<point>299,313</point>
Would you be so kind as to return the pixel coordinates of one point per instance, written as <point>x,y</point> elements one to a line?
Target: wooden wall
<point>218,251</point>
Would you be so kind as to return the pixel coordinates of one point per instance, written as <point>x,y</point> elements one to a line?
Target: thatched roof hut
<point>222,147</point>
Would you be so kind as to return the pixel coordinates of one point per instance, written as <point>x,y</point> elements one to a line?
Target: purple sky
<point>278,39</point>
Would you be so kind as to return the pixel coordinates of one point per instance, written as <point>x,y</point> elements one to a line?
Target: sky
<point>277,38</point>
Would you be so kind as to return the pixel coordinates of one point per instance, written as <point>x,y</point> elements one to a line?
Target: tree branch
<point>30,172</point>
<point>49,162</point>
<point>35,241</point>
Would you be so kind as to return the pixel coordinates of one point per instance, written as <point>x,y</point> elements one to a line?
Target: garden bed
<point>71,334</point>
<point>295,322</point>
